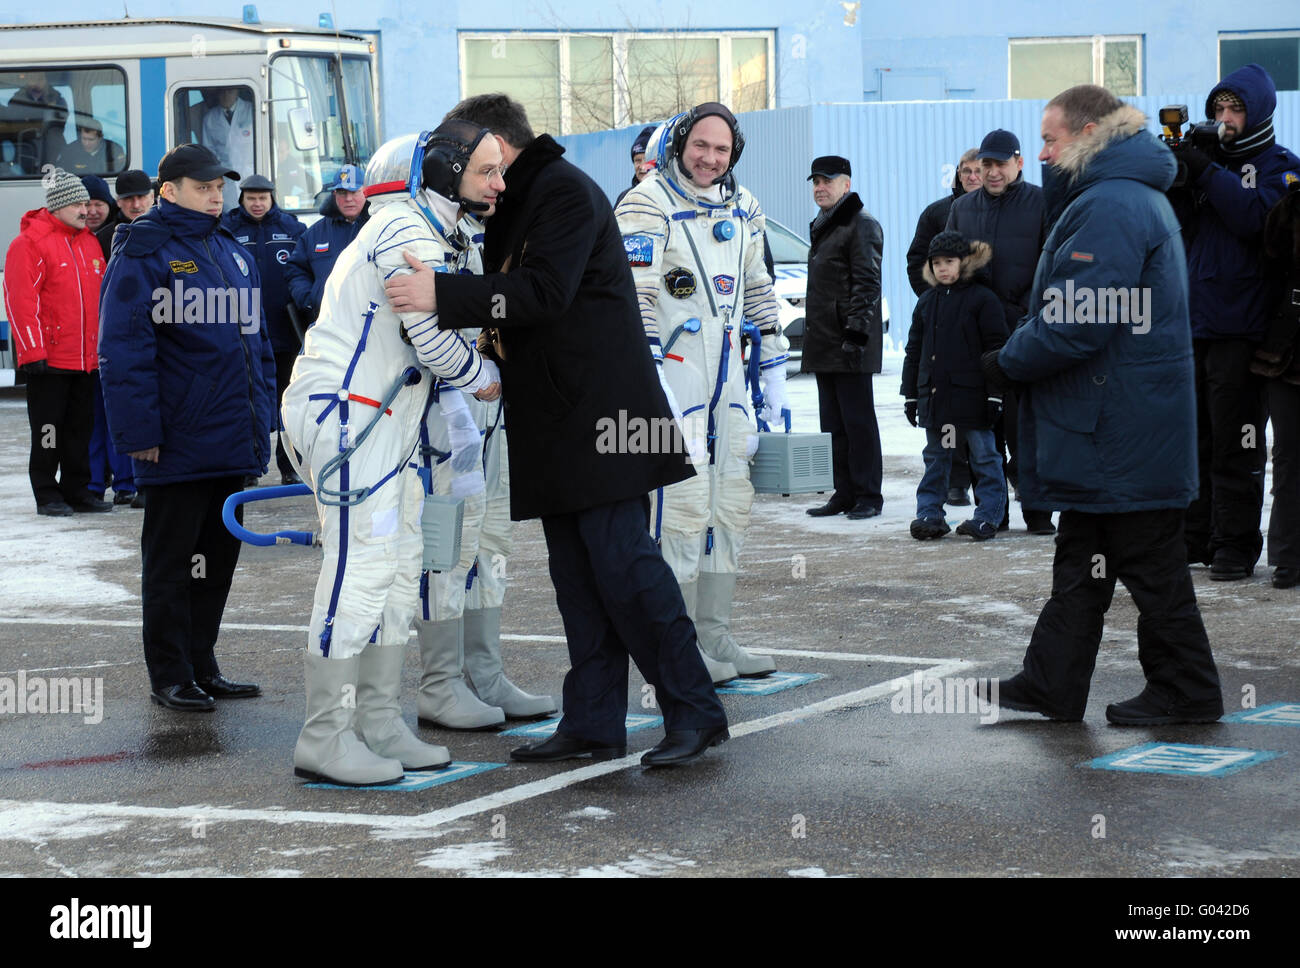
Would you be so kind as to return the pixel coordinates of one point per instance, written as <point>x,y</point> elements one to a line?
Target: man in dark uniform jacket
<point>575,357</point>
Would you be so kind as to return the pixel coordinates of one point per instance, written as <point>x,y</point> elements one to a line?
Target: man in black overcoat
<point>586,417</point>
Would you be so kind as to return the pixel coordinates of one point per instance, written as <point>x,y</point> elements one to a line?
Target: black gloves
<point>994,375</point>
<point>853,352</point>
<point>909,408</point>
<point>35,367</point>
<point>994,410</point>
<point>1195,159</point>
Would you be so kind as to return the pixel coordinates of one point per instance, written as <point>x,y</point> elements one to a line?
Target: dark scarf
<point>1250,143</point>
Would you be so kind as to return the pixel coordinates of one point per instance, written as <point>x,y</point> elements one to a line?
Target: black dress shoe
<point>1150,708</point>
<point>219,687</point>
<point>251,480</point>
<point>1284,577</point>
<point>1228,567</point>
<point>683,745</point>
<point>138,500</point>
<point>55,509</point>
<point>123,497</point>
<point>957,497</point>
<point>91,504</point>
<point>562,746</point>
<point>290,478</point>
<point>186,697</point>
<point>863,509</point>
<point>1014,693</point>
<point>1039,522</point>
<point>830,508</point>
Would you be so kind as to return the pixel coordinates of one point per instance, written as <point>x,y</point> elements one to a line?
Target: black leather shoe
<point>1150,708</point>
<point>219,687</point>
<point>90,504</point>
<point>831,507</point>
<point>683,745</point>
<point>562,746</point>
<point>55,509</point>
<point>1039,522</point>
<point>1014,693</point>
<point>138,500</point>
<point>1228,567</point>
<point>186,697</point>
<point>1284,577</point>
<point>123,497</point>
<point>958,497</point>
<point>290,478</point>
<point>862,509</point>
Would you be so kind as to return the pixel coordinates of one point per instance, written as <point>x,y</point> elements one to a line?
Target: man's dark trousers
<point>1284,520</point>
<point>1230,416</point>
<point>848,414</point>
<point>1145,550</point>
<point>188,560</point>
<point>60,411</point>
<point>618,598</point>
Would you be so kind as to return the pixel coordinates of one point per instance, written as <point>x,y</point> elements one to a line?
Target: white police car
<point>790,269</point>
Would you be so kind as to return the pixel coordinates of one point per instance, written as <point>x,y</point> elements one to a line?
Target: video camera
<point>1205,136</point>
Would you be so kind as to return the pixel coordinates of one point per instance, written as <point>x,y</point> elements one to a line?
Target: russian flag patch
<point>322,246</point>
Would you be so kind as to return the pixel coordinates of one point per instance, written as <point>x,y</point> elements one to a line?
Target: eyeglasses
<point>499,171</point>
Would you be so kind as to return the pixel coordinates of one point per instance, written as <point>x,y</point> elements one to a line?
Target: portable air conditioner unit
<point>441,522</point>
<point>788,464</point>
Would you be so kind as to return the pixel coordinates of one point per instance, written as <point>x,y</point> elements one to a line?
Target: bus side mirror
<point>303,129</point>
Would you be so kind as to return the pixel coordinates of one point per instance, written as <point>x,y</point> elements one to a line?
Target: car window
<point>786,246</point>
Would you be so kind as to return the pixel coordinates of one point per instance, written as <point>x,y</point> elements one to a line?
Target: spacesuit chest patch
<point>680,282</point>
<point>640,250</point>
<point>725,285</point>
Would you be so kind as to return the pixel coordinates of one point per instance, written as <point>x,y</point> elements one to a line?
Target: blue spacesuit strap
<point>361,343</point>
<point>341,567</point>
<point>717,388</point>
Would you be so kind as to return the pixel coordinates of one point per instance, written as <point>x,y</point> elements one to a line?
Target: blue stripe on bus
<point>153,111</point>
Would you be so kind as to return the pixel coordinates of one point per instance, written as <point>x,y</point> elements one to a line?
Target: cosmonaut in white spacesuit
<point>459,617</point>
<point>353,411</point>
<point>694,238</point>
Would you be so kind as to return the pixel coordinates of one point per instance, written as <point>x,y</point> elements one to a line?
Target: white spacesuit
<point>353,412</point>
<point>697,260</point>
<point>459,618</point>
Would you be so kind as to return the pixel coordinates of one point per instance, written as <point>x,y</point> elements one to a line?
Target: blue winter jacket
<point>179,370</point>
<point>314,256</point>
<point>1108,419</point>
<point>270,240</point>
<point>1232,295</point>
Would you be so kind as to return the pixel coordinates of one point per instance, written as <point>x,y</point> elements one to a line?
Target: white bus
<point>102,97</point>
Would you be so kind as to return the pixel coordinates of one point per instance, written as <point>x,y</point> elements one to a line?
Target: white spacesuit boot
<point>379,720</point>
<point>719,672</point>
<point>327,747</point>
<point>716,590</point>
<point>484,671</point>
<point>444,698</point>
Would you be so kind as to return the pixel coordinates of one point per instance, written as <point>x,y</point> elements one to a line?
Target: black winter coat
<point>952,326</point>
<point>270,241</point>
<point>843,300</point>
<point>1015,224</point>
<point>577,361</point>
<point>932,221</point>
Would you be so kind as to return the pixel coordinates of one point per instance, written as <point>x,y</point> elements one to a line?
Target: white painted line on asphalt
<point>16,815</point>
<point>851,656</point>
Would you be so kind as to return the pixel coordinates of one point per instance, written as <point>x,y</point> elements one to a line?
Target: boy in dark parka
<point>955,321</point>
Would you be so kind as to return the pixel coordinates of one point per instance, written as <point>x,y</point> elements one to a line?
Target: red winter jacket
<point>52,277</point>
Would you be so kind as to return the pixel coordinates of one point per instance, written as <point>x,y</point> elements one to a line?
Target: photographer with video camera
<point>1232,182</point>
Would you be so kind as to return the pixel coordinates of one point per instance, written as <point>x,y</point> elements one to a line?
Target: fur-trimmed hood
<point>980,255</point>
<point>1120,146</point>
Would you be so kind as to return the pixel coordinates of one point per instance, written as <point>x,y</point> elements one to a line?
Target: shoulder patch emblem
<point>1081,256</point>
<point>239,261</point>
<point>725,285</point>
<point>322,246</point>
<point>640,250</point>
<point>188,267</point>
<point>680,282</point>
<point>1290,178</point>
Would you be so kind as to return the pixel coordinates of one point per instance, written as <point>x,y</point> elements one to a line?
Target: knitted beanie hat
<point>64,188</point>
<point>951,244</point>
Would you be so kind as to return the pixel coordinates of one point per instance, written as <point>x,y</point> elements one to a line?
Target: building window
<point>1043,67</point>
<point>1277,51</point>
<point>576,82</point>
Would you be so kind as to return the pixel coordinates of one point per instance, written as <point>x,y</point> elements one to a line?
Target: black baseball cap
<point>133,182</point>
<point>193,161</point>
<point>1000,145</point>
<point>828,166</point>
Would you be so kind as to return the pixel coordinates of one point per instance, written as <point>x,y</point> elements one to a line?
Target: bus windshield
<point>343,116</point>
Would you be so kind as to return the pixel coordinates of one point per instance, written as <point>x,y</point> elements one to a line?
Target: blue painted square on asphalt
<point>419,781</point>
<point>547,727</point>
<point>776,682</point>
<point>1274,714</point>
<point>1181,759</point>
